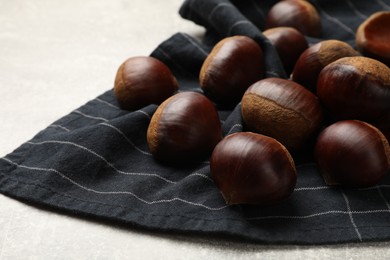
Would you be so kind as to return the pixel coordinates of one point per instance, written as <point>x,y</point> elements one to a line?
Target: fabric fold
<point>226,20</point>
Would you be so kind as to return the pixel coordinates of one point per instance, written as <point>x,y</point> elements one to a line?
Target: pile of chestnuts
<point>336,95</point>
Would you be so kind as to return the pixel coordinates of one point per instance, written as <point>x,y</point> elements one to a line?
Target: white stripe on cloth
<point>194,43</point>
<point>258,9</point>
<point>111,165</point>
<point>59,126</point>
<point>126,138</point>
<point>383,4</point>
<point>107,103</point>
<point>293,217</point>
<point>323,213</point>
<point>336,21</point>
<point>149,202</point>
<point>101,158</point>
<point>89,116</point>
<point>357,12</point>
<point>351,217</point>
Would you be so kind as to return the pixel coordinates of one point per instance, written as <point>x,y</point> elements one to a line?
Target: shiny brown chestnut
<point>231,67</point>
<point>250,168</point>
<point>184,128</point>
<point>289,43</point>
<point>143,80</point>
<point>299,14</point>
<point>315,58</point>
<point>352,153</point>
<point>373,37</point>
<point>355,88</point>
<point>282,109</point>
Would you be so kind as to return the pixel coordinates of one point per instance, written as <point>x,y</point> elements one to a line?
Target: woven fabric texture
<point>95,161</point>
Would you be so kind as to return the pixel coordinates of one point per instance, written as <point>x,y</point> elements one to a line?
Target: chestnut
<point>315,58</point>
<point>373,37</point>
<point>282,109</point>
<point>185,128</point>
<point>289,43</point>
<point>250,168</point>
<point>231,67</point>
<point>352,153</point>
<point>355,88</point>
<point>299,14</point>
<point>143,80</point>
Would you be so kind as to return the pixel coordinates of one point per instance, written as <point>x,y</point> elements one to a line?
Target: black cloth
<point>95,161</point>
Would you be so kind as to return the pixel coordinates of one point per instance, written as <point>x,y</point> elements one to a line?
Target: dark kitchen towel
<point>95,161</point>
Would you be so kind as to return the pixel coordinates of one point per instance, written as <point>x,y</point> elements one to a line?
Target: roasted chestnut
<point>231,67</point>
<point>289,43</point>
<point>143,80</point>
<point>373,37</point>
<point>299,14</point>
<point>315,58</point>
<point>355,88</point>
<point>250,168</point>
<point>352,153</point>
<point>184,128</point>
<point>282,109</point>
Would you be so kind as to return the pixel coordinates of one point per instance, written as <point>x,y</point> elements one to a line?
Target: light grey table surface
<point>54,57</point>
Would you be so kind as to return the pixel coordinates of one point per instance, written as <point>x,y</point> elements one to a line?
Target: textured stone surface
<point>54,57</point>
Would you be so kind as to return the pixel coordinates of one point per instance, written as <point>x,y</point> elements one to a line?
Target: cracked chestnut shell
<point>352,153</point>
<point>231,67</point>
<point>356,88</point>
<point>143,80</point>
<point>299,14</point>
<point>373,37</point>
<point>315,58</point>
<point>289,43</point>
<point>282,109</point>
<point>184,128</point>
<point>250,168</point>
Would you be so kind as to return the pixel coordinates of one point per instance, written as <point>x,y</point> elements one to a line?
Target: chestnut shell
<point>355,88</point>
<point>282,109</point>
<point>315,58</point>
<point>289,43</point>
<point>373,37</point>
<point>299,14</point>
<point>352,153</point>
<point>250,168</point>
<point>231,67</point>
<point>184,128</point>
<point>143,80</point>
